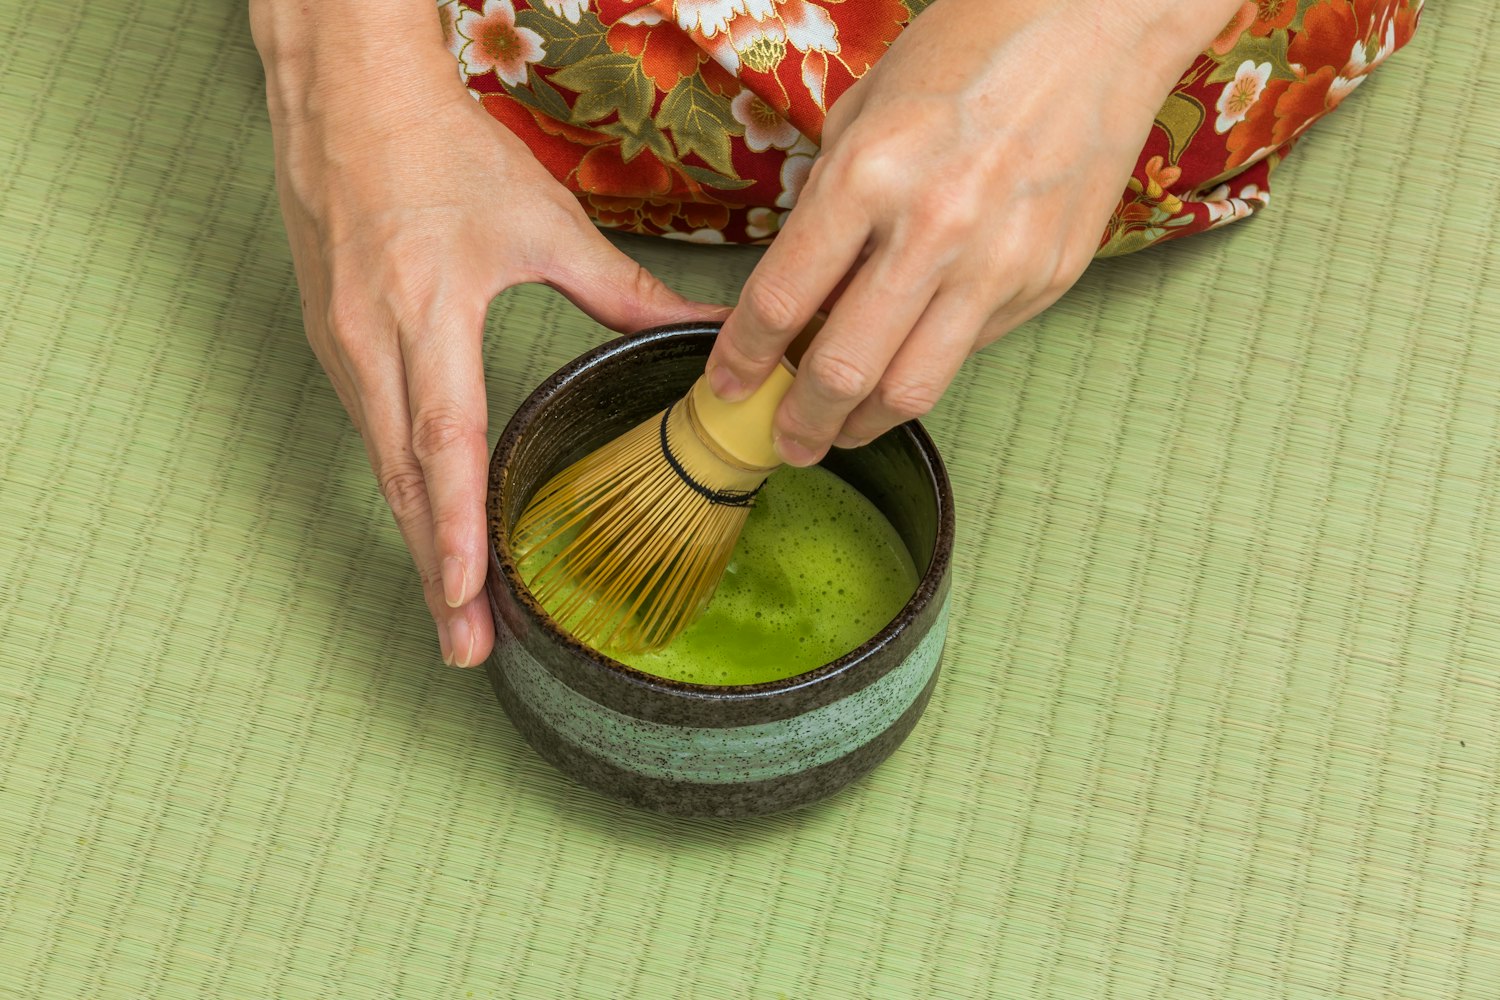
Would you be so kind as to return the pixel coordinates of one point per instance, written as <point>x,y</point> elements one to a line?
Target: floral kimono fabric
<point>699,119</point>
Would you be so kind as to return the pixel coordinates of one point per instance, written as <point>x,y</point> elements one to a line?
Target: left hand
<point>962,187</point>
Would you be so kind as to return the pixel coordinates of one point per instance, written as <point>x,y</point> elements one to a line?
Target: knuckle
<point>448,529</point>
<point>772,304</point>
<point>641,284</point>
<point>432,587</point>
<point>344,317</point>
<point>457,521</point>
<point>731,354</point>
<point>948,224</point>
<point>876,168</point>
<point>839,377</point>
<point>909,400</point>
<point>794,423</point>
<point>404,490</point>
<point>437,430</point>
<point>353,330</point>
<point>1071,263</point>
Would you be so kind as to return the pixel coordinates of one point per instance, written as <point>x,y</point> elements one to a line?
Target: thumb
<point>619,293</point>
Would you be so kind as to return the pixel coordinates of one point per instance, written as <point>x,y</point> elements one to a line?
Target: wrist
<point>1175,34</point>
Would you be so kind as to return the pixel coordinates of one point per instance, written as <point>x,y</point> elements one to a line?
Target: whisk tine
<point>633,539</point>
<point>692,580</point>
<point>676,532</point>
<point>649,544</point>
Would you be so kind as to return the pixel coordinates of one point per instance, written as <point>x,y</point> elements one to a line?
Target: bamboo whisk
<point>641,529</point>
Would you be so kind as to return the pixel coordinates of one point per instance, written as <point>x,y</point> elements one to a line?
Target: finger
<point>387,423</point>
<point>921,371</point>
<point>337,369</point>
<point>819,246</point>
<point>616,291</point>
<point>446,403</point>
<point>333,361</point>
<point>1012,315</point>
<point>466,634</point>
<point>849,356</point>
<point>471,632</point>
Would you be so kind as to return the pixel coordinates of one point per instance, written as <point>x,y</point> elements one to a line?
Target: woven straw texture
<point>1220,712</point>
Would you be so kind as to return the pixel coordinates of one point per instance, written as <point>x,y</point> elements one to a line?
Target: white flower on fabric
<point>761,222</point>
<point>1357,63</point>
<point>570,10</point>
<point>447,20</point>
<point>1252,192</point>
<point>452,41</point>
<point>1222,209</point>
<point>1240,94</point>
<point>698,236</point>
<point>1342,87</point>
<point>496,43</point>
<point>1387,41</point>
<point>1361,63</point>
<point>794,171</point>
<point>815,76</point>
<point>764,127</point>
<point>642,15</point>
<point>761,35</point>
<point>809,28</point>
<point>713,16</point>
<point>804,147</point>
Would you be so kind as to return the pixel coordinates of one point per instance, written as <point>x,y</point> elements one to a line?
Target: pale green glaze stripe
<point>733,754</point>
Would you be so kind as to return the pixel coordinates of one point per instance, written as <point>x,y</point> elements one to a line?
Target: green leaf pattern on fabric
<point>701,122</point>
<point>702,118</point>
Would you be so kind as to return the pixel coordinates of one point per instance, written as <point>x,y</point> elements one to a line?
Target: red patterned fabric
<point>699,119</point>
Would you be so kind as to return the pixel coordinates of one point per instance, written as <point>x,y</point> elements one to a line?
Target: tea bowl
<point>692,749</point>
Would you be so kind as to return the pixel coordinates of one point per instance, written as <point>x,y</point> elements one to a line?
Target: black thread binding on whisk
<point>724,498</point>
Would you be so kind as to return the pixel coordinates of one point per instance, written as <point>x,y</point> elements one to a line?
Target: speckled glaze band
<point>687,748</point>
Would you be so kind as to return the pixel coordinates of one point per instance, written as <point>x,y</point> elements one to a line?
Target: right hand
<point>408,208</point>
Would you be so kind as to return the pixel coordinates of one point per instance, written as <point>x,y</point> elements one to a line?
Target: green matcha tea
<point>817,571</point>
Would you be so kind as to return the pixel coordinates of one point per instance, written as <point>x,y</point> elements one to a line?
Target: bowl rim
<point>931,584</point>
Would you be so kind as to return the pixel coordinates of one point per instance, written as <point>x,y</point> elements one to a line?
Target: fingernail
<point>455,581</point>
<point>846,441</point>
<point>724,384</point>
<point>794,452</point>
<point>463,642</point>
<point>444,644</point>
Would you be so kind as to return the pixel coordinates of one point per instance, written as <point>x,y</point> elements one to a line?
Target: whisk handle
<point>743,429</point>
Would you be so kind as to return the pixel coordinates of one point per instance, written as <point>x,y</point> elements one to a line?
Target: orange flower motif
<point>1159,177</point>
<point>666,52</point>
<point>1343,33</point>
<point>1332,55</point>
<point>775,67</point>
<point>653,215</point>
<point>603,170</point>
<point>1271,15</point>
<point>1230,36</point>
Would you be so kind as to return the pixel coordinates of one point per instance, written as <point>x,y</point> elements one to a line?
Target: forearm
<point>1164,37</point>
<point>310,49</point>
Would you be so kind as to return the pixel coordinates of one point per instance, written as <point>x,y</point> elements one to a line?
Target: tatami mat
<point>1220,710</point>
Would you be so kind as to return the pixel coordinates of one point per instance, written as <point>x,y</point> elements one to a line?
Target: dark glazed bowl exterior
<point>693,749</point>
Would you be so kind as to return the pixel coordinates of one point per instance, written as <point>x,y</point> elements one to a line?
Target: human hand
<point>408,208</point>
<point>962,187</point>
